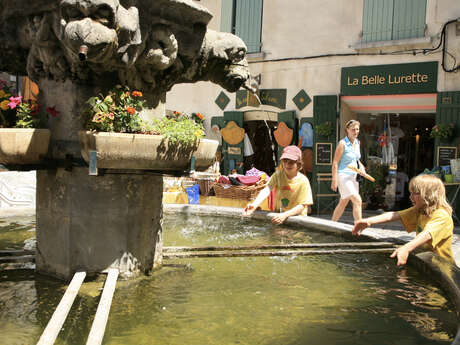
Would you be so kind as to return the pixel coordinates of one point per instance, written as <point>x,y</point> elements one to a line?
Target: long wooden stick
<point>281,246</point>
<point>96,334</point>
<point>275,253</point>
<point>54,325</point>
<point>356,170</point>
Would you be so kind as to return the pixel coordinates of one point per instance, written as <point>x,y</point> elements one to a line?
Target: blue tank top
<point>350,156</point>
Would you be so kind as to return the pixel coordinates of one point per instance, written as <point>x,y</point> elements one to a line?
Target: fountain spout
<point>83,52</point>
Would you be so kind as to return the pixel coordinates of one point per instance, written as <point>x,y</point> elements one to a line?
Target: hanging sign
<point>421,77</point>
<point>445,154</point>
<point>244,98</point>
<point>323,154</point>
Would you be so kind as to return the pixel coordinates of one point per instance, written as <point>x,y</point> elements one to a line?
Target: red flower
<point>136,94</point>
<point>200,116</point>
<point>131,110</point>
<point>52,111</point>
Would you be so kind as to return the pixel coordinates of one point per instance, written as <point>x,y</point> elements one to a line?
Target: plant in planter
<point>442,131</point>
<point>324,129</point>
<point>24,138</point>
<point>124,141</point>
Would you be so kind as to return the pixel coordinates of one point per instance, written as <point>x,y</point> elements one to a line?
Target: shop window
<point>385,20</point>
<point>244,19</point>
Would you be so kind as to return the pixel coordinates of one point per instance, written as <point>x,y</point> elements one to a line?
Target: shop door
<point>324,114</point>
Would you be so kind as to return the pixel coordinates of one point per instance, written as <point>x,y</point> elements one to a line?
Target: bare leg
<point>339,209</point>
<point>357,207</point>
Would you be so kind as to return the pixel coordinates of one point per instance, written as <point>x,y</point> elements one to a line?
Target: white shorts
<point>348,185</point>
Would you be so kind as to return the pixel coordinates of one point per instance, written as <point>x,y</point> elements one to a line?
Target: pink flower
<point>14,102</point>
<point>52,111</point>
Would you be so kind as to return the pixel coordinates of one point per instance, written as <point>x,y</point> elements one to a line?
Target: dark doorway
<point>260,134</point>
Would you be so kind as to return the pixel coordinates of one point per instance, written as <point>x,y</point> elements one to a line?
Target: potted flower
<point>324,129</point>
<point>23,137</point>
<point>442,131</point>
<point>123,140</point>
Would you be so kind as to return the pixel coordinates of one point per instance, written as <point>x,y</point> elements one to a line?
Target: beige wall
<point>299,28</point>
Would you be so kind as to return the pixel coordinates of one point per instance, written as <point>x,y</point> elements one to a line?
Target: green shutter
<point>324,109</point>
<point>448,111</point>
<point>377,20</point>
<point>226,16</point>
<point>409,19</point>
<point>248,23</point>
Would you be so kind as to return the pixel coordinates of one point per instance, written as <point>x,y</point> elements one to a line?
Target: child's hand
<point>402,254</point>
<point>248,210</point>
<point>360,225</point>
<point>279,219</point>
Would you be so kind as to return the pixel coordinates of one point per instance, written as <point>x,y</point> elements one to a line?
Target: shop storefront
<point>397,106</point>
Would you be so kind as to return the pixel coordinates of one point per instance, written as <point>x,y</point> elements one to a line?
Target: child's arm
<point>280,218</point>
<point>364,223</point>
<point>403,252</point>
<point>251,207</point>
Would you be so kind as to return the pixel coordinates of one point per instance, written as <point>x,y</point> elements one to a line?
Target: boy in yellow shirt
<point>430,217</point>
<point>293,191</point>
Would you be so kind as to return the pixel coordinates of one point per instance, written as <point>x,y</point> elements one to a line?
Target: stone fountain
<point>75,49</point>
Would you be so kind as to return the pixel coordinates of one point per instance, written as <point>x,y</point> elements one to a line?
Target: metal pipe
<point>83,52</point>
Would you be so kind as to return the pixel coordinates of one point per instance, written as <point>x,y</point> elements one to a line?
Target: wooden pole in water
<point>275,253</point>
<point>54,325</point>
<point>96,335</point>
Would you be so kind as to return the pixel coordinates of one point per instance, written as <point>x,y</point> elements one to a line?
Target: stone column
<point>92,223</point>
<point>88,222</point>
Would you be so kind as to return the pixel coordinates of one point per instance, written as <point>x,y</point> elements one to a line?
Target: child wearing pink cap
<point>293,191</point>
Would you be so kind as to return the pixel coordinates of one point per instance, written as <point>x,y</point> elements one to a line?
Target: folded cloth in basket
<point>224,180</point>
<point>254,172</point>
<point>248,180</point>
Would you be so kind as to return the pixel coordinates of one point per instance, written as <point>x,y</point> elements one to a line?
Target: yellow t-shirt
<point>439,225</point>
<point>291,192</point>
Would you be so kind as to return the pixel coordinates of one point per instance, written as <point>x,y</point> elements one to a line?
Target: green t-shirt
<point>440,226</point>
<point>291,192</point>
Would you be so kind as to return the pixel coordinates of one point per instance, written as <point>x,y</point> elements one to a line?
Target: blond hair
<point>432,192</point>
<point>352,122</point>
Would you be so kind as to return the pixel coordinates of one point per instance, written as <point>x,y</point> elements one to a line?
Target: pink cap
<point>291,152</point>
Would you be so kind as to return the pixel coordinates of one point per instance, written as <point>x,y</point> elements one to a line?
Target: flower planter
<point>22,146</point>
<point>145,152</point>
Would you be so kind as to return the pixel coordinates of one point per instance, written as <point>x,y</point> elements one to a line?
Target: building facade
<point>391,64</point>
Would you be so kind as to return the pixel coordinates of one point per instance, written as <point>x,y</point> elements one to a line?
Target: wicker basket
<point>237,192</point>
<point>205,186</point>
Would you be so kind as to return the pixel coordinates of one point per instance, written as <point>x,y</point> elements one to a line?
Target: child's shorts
<point>348,185</point>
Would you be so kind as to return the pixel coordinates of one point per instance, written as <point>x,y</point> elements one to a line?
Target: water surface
<point>342,299</point>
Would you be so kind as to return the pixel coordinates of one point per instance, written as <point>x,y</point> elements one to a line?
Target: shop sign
<point>245,98</point>
<point>323,153</point>
<point>390,79</point>
<point>273,97</point>
<point>445,154</point>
